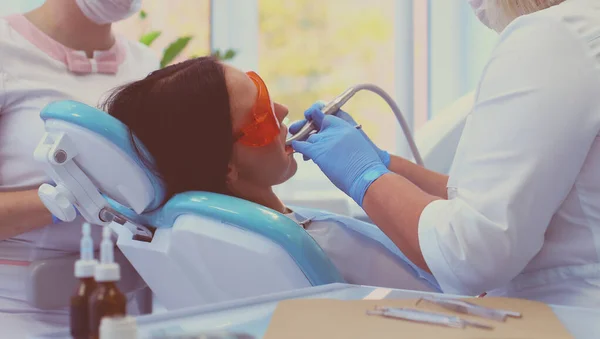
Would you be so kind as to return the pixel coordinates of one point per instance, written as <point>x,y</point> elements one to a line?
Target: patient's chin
<point>292,169</point>
<point>289,172</point>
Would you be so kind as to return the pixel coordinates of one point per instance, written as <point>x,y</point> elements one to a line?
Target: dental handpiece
<point>337,103</point>
<point>331,108</point>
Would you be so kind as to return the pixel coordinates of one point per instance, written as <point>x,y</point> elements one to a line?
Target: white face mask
<point>108,11</point>
<point>495,16</point>
<point>480,11</point>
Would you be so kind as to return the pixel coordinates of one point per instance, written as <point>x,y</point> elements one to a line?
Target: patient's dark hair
<point>181,113</point>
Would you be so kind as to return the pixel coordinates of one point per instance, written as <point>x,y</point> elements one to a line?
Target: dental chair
<point>196,248</point>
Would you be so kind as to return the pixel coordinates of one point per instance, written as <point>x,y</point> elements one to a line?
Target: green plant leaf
<point>227,55</point>
<point>143,14</point>
<point>173,50</point>
<point>148,38</point>
<point>230,54</point>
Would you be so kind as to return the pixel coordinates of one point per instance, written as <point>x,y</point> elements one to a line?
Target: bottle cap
<point>85,268</point>
<point>118,327</point>
<point>107,272</point>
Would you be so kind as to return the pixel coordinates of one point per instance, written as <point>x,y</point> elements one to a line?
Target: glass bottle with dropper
<point>84,271</point>
<point>107,300</point>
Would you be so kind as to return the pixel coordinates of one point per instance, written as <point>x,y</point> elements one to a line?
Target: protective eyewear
<point>265,126</point>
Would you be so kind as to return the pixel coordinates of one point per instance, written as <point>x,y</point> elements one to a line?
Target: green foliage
<point>227,55</point>
<point>148,38</point>
<point>173,50</point>
<point>312,50</point>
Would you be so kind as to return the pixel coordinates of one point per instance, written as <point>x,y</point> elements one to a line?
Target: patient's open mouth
<point>289,149</point>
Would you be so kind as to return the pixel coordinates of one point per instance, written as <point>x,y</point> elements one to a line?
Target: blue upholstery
<point>310,258</point>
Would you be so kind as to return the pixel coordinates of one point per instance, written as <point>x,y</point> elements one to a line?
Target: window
<point>311,50</point>
<point>427,54</point>
<point>459,47</point>
<point>174,20</point>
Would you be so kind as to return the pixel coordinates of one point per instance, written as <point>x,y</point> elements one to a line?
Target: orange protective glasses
<point>264,127</point>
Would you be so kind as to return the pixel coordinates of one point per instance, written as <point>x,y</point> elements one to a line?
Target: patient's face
<point>258,166</point>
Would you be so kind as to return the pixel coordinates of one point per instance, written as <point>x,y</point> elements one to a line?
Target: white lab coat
<point>523,214</point>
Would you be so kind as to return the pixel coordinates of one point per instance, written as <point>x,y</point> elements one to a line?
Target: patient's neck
<point>262,196</point>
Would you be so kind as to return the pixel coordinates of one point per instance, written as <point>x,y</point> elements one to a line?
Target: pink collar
<point>76,61</point>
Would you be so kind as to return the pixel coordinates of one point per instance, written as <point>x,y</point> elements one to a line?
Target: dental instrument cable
<point>336,104</point>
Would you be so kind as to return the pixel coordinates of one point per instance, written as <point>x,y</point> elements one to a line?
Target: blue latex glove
<point>343,154</point>
<point>295,127</point>
<point>55,220</point>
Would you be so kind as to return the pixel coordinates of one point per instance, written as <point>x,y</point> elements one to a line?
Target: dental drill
<point>336,104</point>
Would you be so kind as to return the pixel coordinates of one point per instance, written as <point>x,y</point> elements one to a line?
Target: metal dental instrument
<point>465,307</point>
<point>426,317</point>
<point>333,106</point>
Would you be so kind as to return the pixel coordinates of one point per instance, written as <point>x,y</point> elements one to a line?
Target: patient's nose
<point>281,111</point>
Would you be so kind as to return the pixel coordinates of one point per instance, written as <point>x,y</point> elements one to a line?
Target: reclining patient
<point>210,127</point>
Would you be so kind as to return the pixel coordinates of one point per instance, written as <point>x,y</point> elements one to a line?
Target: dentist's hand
<point>295,127</point>
<point>343,154</point>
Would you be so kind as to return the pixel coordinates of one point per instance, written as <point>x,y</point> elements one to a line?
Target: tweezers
<point>426,317</point>
<point>465,307</point>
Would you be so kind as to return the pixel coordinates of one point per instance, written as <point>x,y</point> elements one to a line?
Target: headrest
<point>106,154</point>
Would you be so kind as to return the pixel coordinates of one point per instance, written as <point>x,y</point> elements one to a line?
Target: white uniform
<point>523,215</point>
<point>36,70</point>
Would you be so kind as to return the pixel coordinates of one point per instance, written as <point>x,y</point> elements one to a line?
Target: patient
<point>225,118</point>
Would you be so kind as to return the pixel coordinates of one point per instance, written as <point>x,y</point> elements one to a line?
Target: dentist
<point>65,49</point>
<point>519,214</point>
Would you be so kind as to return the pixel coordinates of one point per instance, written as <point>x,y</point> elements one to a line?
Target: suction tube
<point>337,103</point>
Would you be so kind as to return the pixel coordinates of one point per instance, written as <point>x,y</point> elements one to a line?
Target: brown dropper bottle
<point>106,300</point>
<point>84,271</point>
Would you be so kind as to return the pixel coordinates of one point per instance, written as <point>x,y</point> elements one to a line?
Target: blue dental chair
<point>198,247</point>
